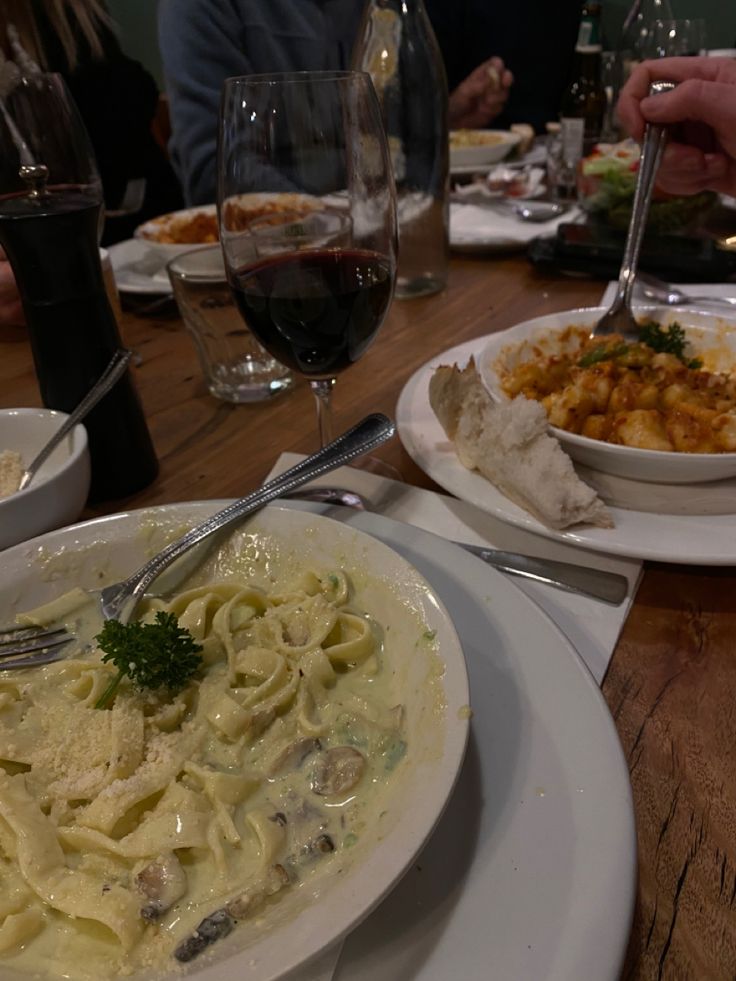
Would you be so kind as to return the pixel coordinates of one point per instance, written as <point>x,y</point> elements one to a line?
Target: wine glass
<point>676,38</point>
<point>40,127</point>
<point>307,212</point>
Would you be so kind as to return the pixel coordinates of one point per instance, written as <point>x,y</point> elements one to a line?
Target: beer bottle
<point>584,103</point>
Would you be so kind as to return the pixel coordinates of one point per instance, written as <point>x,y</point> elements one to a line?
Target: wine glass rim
<point>269,78</point>
<point>176,267</point>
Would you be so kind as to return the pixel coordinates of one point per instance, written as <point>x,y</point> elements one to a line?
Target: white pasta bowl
<point>59,490</point>
<point>479,147</point>
<point>155,231</point>
<point>240,211</point>
<point>420,650</point>
<point>712,339</point>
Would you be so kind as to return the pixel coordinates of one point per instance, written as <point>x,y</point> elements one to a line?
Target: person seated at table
<point>701,153</point>
<point>11,309</point>
<point>203,42</point>
<point>117,98</point>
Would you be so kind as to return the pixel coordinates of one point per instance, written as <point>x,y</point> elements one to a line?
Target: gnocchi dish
<point>649,394</point>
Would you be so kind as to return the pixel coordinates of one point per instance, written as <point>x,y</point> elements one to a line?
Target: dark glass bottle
<point>51,242</point>
<point>398,48</point>
<point>583,106</point>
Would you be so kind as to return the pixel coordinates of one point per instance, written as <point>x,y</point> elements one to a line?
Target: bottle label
<point>573,131</point>
<point>588,36</point>
<point>585,34</point>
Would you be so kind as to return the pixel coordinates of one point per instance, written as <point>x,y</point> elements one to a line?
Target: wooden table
<point>671,685</point>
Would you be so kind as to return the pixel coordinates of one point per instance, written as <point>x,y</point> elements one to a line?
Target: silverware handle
<point>608,586</point>
<point>366,436</point>
<point>107,380</point>
<point>655,138</point>
<point>725,301</point>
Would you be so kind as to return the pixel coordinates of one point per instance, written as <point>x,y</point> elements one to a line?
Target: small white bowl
<point>712,338</point>
<point>149,231</point>
<point>493,145</point>
<point>59,490</point>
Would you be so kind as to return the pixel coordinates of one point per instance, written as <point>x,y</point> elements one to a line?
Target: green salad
<point>606,188</point>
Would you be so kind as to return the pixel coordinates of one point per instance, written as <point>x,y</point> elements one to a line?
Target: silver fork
<point>29,646</point>
<point>619,319</point>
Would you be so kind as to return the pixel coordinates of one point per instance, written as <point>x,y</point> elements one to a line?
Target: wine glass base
<point>251,390</point>
<point>422,284</point>
<point>372,464</point>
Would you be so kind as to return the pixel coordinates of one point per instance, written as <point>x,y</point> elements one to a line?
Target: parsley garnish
<point>670,340</point>
<point>602,353</point>
<point>153,655</point>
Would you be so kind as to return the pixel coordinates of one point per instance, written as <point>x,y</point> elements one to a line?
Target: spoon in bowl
<point>619,318</point>
<point>538,211</point>
<point>108,378</point>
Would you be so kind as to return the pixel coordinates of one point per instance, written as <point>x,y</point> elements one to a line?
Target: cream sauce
<point>263,775</point>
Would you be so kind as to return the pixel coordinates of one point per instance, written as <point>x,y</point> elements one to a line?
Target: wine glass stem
<point>322,389</point>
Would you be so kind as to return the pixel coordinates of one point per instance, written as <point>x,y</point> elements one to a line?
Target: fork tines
<point>18,641</point>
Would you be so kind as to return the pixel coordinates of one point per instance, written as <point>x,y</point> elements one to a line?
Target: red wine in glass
<point>315,310</point>
<point>314,263</point>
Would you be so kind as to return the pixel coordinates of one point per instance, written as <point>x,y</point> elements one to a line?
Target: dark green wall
<point>137,20</point>
<point>719,15</point>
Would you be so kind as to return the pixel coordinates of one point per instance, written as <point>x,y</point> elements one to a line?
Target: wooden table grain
<point>671,684</point>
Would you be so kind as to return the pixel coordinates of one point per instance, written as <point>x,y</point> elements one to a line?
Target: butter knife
<point>608,586</point>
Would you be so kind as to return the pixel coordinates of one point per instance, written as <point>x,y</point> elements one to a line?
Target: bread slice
<point>509,445</point>
<point>527,134</point>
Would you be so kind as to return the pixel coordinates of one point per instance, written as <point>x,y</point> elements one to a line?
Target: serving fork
<point>30,646</point>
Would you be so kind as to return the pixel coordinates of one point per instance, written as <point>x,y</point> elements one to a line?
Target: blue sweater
<point>203,42</point>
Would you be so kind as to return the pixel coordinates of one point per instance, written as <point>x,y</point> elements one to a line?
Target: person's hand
<point>481,96</point>
<point>11,309</point>
<point>701,153</point>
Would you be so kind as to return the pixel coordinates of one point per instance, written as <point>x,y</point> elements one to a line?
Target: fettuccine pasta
<point>136,836</point>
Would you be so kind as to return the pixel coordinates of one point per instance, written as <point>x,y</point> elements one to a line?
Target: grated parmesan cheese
<point>11,471</point>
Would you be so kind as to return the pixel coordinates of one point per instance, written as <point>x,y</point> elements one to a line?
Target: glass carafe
<point>398,48</point>
<point>638,31</point>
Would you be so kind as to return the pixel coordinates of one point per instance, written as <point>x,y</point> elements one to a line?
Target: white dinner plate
<point>312,916</point>
<point>138,268</point>
<point>531,873</point>
<point>706,539</point>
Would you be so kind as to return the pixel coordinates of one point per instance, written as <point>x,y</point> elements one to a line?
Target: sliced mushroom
<point>220,923</point>
<point>337,770</point>
<point>323,844</point>
<point>275,879</point>
<point>293,756</point>
<point>162,882</point>
<point>213,927</point>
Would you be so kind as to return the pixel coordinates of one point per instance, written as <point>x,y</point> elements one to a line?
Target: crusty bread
<point>527,134</point>
<point>509,445</point>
